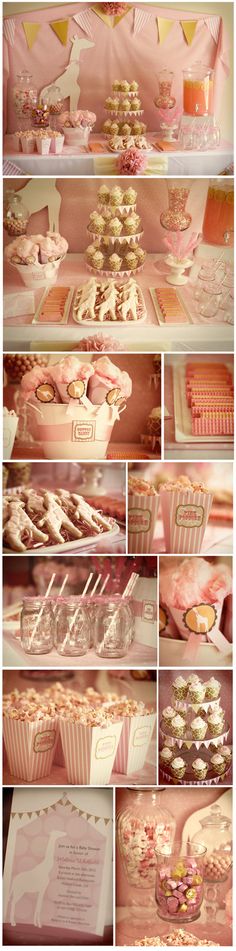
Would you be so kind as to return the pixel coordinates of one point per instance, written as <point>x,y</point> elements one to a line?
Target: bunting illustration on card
<point>31,32</point>
<point>189,30</point>
<point>60,27</point>
<point>64,801</point>
<point>164,26</point>
<point>141,19</point>
<point>9,30</point>
<point>84,20</point>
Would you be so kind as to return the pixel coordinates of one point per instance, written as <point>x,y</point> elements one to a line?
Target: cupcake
<point>130,261</point>
<point>115,104</point>
<point>180,688</point>
<point>170,743</point>
<point>116,195</point>
<point>114,227</point>
<point>137,127</point>
<point>114,130</point>
<point>116,85</point>
<point>133,87</point>
<point>200,768</point>
<point>215,724</point>
<point>218,763</point>
<point>168,714</point>
<point>178,725</point>
<point>104,192</point>
<point>124,105</point>
<point>196,692</point>
<point>178,767</point>
<point>131,224</point>
<point>198,728</point>
<point>129,196</point>
<point>212,689</point>
<point>226,752</point>
<point>126,128</point>
<point>114,262</point>
<point>106,128</point>
<point>135,104</point>
<point>166,756</point>
<point>109,103</point>
<point>193,679</point>
<point>124,85</point>
<point>91,251</point>
<point>140,255</point>
<point>98,260</point>
<point>97,224</point>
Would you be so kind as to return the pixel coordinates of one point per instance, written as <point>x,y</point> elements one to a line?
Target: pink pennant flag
<point>141,18</point>
<point>83,20</point>
<point>9,30</point>
<point>213,24</point>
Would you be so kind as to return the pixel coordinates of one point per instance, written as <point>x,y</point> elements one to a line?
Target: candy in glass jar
<point>53,99</point>
<point>216,836</point>
<point>37,625</point>
<point>218,222</point>
<point>40,115</point>
<point>112,636</point>
<point>143,827</point>
<point>165,100</point>
<point>179,882</point>
<point>72,627</point>
<point>24,98</point>
<point>15,214</point>
<point>175,217</point>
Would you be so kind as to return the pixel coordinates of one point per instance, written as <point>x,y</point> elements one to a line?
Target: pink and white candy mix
<point>36,248</point>
<point>179,887</point>
<point>139,838</point>
<point>81,119</point>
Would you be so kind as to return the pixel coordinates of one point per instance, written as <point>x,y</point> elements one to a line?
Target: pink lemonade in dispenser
<point>198,91</point>
<point>218,224</point>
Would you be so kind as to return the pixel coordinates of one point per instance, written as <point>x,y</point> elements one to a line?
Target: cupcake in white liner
<point>185,511</point>
<point>178,767</point>
<point>199,768</point>
<point>198,728</point>
<point>218,764</point>
<point>143,502</point>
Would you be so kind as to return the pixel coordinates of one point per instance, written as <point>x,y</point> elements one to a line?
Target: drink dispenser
<point>218,224</point>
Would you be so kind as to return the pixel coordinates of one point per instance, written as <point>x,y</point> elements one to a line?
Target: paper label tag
<point>83,431</point>
<point>148,611</point>
<point>44,741</point>
<point>139,520</point>
<point>141,735</point>
<point>201,618</point>
<point>76,389</point>
<point>189,515</point>
<point>105,747</point>
<point>45,393</point>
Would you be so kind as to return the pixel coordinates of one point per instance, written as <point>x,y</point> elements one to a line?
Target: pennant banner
<point>31,32</point>
<point>141,18</point>
<point>189,29</point>
<point>110,19</point>
<point>213,24</point>
<point>9,30</point>
<point>60,27</point>
<point>164,26</point>
<point>84,20</point>
<point>62,802</point>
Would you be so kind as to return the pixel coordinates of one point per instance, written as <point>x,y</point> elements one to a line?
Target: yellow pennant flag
<point>189,30</point>
<point>31,32</point>
<point>60,27</point>
<point>164,27</point>
<point>103,16</point>
<point>121,15</point>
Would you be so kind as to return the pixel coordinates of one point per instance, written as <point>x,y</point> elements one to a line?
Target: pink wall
<point>79,198</point>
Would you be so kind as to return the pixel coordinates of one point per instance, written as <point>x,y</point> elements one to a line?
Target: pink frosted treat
<point>108,383</point>
<point>37,386</point>
<point>23,250</point>
<point>71,377</point>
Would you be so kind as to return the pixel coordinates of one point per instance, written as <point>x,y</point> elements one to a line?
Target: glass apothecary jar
<point>198,90</point>
<point>113,626</point>
<point>143,827</point>
<point>218,222</point>
<point>72,628</point>
<point>164,99</point>
<point>40,115</point>
<point>216,835</point>
<point>24,98</point>
<point>175,217</point>
<point>37,625</point>
<point>54,101</point>
<point>15,214</point>
<point>179,882</point>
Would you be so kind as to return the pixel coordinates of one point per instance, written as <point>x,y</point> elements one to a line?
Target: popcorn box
<point>28,145</point>
<point>89,751</point>
<point>59,758</point>
<point>73,431</point>
<point>38,275</point>
<point>30,747</point>
<point>134,742</point>
<point>144,605</point>
<point>43,145</point>
<point>142,516</point>
<point>185,515</point>
<point>57,143</point>
<point>10,423</point>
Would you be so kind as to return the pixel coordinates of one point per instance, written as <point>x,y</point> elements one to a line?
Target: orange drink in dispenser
<point>198,91</point>
<point>218,224</point>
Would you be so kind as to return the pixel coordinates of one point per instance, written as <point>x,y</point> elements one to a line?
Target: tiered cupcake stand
<point>108,241</point>
<point>190,747</point>
<point>120,116</point>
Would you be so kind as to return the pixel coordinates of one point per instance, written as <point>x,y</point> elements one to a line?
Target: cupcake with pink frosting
<point>108,382</point>
<point>71,378</point>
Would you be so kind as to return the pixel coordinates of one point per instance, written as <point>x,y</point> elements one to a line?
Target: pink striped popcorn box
<point>89,751</point>
<point>30,747</point>
<point>59,758</point>
<point>142,516</point>
<point>185,515</point>
<point>134,742</point>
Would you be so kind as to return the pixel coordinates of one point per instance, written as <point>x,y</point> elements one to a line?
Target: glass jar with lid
<point>53,99</point>
<point>24,98</point>
<point>216,835</point>
<point>15,214</point>
<point>72,627</point>
<point>218,222</point>
<point>164,99</point>
<point>142,827</point>
<point>37,625</point>
<point>113,626</point>
<point>198,90</point>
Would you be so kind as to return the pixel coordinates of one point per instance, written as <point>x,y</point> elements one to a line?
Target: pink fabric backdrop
<point>124,55</point>
<point>79,198</point>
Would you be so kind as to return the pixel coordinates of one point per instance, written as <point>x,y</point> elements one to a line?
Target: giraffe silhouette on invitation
<point>34,880</point>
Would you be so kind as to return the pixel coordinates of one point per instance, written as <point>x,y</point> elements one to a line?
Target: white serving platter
<point>81,543</point>
<point>182,413</point>
<point>53,322</point>
<point>86,322</point>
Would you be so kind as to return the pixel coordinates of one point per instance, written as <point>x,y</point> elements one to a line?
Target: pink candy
<point>194,580</point>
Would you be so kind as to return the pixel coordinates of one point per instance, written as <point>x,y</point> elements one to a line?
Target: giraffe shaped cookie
<point>18,524</point>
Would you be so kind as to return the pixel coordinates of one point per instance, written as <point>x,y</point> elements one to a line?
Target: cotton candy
<point>195,580</point>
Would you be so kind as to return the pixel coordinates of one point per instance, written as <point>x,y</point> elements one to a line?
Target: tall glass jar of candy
<point>24,98</point>
<point>15,214</point>
<point>175,217</point>
<point>164,99</point>
<point>54,101</point>
<point>143,827</point>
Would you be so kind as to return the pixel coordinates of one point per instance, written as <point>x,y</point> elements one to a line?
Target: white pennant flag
<point>83,20</point>
<point>9,30</point>
<point>140,20</point>
<point>213,24</point>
